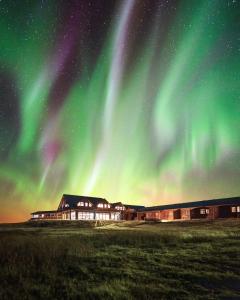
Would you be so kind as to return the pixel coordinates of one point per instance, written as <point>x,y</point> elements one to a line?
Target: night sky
<point>136,101</point>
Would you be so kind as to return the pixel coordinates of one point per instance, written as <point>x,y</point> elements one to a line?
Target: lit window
<point>90,204</point>
<point>66,205</point>
<point>73,215</point>
<point>120,207</point>
<point>100,205</point>
<point>234,209</point>
<point>115,216</point>
<point>202,211</point>
<point>238,208</point>
<point>86,204</point>
<point>108,205</point>
<point>80,204</point>
<point>102,216</point>
<point>85,215</point>
<point>207,211</point>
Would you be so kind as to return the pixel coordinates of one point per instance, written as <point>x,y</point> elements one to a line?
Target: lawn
<point>129,260</point>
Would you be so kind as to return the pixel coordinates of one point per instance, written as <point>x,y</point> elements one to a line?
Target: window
<point>85,215</point>
<point>235,209</point>
<point>100,205</point>
<point>66,216</point>
<point>90,204</point>
<point>102,216</point>
<point>66,205</point>
<point>108,205</point>
<point>86,203</point>
<point>115,216</point>
<point>73,215</point>
<point>202,211</point>
<point>80,203</point>
<point>120,207</point>
<point>207,211</point>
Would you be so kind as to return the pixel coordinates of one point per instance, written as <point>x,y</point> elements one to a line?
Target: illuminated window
<point>109,205</point>
<point>120,207</point>
<point>73,215</point>
<point>90,204</point>
<point>202,211</point>
<point>80,204</point>
<point>66,205</point>
<point>207,211</point>
<point>85,215</point>
<point>115,216</point>
<point>235,209</point>
<point>86,204</point>
<point>100,205</point>
<point>102,216</point>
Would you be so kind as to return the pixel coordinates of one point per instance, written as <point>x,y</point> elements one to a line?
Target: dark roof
<point>224,201</point>
<point>72,200</point>
<point>44,212</point>
<point>136,207</point>
<point>117,203</point>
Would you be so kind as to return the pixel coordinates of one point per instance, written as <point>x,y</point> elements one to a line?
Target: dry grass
<point>194,260</point>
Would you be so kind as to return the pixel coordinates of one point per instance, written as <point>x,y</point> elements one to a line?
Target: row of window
<point>120,207</point>
<point>100,205</point>
<point>87,204</point>
<point>90,216</point>
<point>85,216</point>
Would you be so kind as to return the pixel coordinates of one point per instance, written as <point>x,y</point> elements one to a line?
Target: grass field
<point>130,260</point>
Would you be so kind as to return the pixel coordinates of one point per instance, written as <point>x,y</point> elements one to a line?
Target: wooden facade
<point>199,210</point>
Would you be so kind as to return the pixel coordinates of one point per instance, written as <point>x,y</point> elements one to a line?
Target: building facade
<point>72,207</point>
<point>207,209</point>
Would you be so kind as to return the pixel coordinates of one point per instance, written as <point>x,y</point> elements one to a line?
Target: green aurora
<point>145,111</point>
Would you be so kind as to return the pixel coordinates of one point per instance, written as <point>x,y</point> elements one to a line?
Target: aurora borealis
<point>135,101</point>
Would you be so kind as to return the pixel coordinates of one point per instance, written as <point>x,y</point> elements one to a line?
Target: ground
<point>128,260</point>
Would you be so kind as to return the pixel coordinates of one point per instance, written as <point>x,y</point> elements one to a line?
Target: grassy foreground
<point>199,260</point>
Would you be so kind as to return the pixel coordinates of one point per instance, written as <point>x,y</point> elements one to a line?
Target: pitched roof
<point>117,203</point>
<point>136,207</point>
<point>72,200</point>
<point>213,202</point>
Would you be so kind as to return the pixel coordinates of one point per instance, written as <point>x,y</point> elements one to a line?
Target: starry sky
<point>132,100</point>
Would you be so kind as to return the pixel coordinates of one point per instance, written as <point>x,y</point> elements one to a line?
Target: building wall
<point>213,212</point>
<point>141,216</point>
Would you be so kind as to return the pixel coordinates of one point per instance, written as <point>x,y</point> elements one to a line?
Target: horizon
<point>127,100</point>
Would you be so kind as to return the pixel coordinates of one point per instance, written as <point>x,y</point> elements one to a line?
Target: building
<point>72,207</point>
<point>206,209</point>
